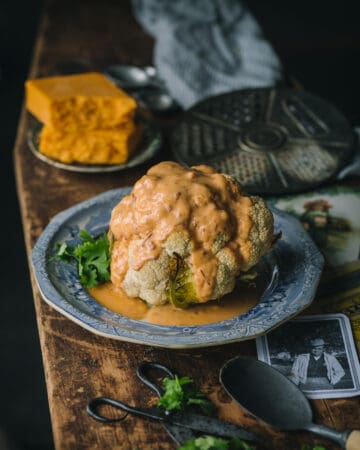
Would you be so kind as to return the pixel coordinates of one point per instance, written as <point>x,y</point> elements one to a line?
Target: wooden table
<point>89,35</point>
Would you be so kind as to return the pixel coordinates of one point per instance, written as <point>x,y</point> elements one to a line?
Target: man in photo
<point>317,369</point>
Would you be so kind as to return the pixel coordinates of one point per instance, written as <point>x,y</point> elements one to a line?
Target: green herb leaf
<point>180,394</point>
<point>214,443</point>
<point>310,447</point>
<point>92,257</point>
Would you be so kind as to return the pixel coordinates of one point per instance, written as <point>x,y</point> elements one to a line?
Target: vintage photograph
<point>331,217</point>
<point>339,292</point>
<point>317,353</point>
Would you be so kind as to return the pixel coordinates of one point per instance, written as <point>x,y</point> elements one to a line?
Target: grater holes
<point>305,163</point>
<point>236,114</point>
<point>248,169</point>
<point>208,147</point>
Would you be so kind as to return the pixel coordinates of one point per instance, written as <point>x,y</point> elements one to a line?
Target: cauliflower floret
<point>155,281</point>
<point>261,235</point>
<point>185,235</point>
<point>151,282</point>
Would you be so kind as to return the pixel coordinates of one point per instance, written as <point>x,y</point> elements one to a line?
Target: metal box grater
<point>273,141</point>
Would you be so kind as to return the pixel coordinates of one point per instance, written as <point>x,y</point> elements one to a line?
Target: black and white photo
<point>317,353</point>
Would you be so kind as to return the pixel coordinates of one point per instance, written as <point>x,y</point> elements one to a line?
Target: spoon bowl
<point>144,84</point>
<point>268,396</point>
<point>271,397</point>
<point>133,77</point>
<point>156,100</point>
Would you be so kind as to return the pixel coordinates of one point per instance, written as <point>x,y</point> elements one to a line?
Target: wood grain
<point>86,35</point>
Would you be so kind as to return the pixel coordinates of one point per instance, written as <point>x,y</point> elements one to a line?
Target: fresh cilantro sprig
<point>309,447</point>
<point>214,443</point>
<point>180,393</point>
<point>92,257</point>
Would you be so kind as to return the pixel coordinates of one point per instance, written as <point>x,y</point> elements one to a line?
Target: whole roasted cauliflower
<point>184,235</point>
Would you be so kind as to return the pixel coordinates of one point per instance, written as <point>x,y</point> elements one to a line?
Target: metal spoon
<point>133,77</point>
<point>156,100</point>
<point>144,84</point>
<point>270,396</point>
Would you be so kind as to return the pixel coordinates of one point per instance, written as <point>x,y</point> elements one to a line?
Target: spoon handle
<point>341,437</point>
<point>353,441</point>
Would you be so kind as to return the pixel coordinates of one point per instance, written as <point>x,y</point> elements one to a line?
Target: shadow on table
<point>24,414</point>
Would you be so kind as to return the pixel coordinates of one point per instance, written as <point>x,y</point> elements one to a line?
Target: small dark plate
<point>149,146</point>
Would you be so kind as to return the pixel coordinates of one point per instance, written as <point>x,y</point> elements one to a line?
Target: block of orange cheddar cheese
<point>78,102</point>
<point>99,146</point>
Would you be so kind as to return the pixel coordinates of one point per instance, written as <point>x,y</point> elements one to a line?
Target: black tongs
<point>180,426</point>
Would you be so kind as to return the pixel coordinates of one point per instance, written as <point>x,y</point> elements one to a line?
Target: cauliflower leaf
<point>182,289</point>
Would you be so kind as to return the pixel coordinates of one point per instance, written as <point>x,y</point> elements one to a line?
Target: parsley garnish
<point>180,393</point>
<point>309,447</point>
<point>214,443</point>
<point>92,257</point>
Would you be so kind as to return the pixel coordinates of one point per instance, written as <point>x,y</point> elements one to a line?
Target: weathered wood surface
<point>89,35</point>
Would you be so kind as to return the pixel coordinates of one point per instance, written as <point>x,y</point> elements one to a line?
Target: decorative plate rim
<point>146,151</point>
<point>293,290</point>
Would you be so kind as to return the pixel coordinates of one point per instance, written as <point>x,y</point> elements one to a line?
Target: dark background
<point>318,43</point>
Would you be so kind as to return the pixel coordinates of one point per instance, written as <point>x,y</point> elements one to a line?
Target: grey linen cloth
<point>207,47</point>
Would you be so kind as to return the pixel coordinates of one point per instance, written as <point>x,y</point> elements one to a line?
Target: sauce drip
<point>242,299</point>
<point>198,201</point>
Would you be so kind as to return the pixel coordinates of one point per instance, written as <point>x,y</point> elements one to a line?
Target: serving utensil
<point>156,100</point>
<point>134,77</point>
<point>144,84</point>
<point>273,398</point>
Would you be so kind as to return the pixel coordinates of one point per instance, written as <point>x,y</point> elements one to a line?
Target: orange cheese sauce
<point>171,198</point>
<point>242,299</point>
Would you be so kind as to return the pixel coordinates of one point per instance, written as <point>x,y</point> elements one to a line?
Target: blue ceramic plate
<point>290,273</point>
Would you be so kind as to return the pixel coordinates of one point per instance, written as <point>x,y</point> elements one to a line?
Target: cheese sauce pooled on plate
<point>242,299</point>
